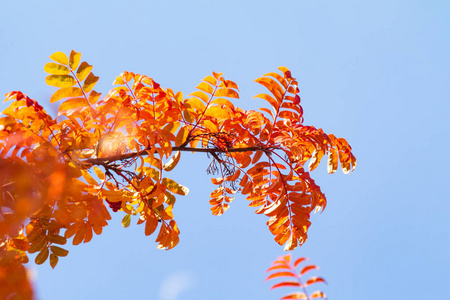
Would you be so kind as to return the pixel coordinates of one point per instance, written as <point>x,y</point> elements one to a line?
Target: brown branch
<point>103,160</point>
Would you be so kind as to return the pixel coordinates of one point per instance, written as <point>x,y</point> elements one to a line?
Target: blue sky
<point>373,72</point>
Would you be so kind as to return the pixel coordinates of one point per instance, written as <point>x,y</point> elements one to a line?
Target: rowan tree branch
<point>103,160</point>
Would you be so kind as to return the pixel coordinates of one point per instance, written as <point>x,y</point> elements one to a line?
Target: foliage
<point>59,172</point>
<point>284,267</point>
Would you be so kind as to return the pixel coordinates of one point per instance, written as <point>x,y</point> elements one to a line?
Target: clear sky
<point>373,72</point>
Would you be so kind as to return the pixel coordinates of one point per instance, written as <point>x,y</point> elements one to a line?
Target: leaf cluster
<point>61,173</point>
<point>284,267</point>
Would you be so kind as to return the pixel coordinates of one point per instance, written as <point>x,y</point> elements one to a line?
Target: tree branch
<point>103,160</point>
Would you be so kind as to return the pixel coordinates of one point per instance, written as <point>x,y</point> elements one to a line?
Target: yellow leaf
<point>119,80</point>
<point>56,69</point>
<point>99,173</point>
<point>83,70</point>
<point>93,97</point>
<point>196,104</point>
<point>72,103</point>
<point>227,93</point>
<point>218,112</point>
<point>200,95</point>
<point>89,83</point>
<point>182,135</point>
<point>60,57</point>
<point>66,92</point>
<point>222,101</point>
<point>211,80</point>
<point>172,163</point>
<point>61,81</point>
<point>203,86</point>
<point>175,187</point>
<point>126,221</point>
<point>113,196</point>
<point>88,177</point>
<point>74,59</point>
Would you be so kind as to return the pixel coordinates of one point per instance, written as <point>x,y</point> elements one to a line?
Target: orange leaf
<point>151,224</point>
<point>19,244</point>
<point>299,261</point>
<point>200,95</point>
<point>308,268</point>
<point>296,295</point>
<point>317,294</point>
<point>99,173</point>
<point>277,206</point>
<point>217,112</point>
<point>53,260</point>
<point>269,99</point>
<point>281,274</point>
<point>286,283</point>
<point>172,163</point>
<point>314,279</point>
<point>315,159</point>
<point>225,92</point>
<point>217,180</point>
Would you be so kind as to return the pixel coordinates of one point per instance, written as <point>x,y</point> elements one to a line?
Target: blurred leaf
<point>19,244</point>
<point>297,295</point>
<point>99,173</point>
<point>281,274</point>
<point>286,283</point>
<point>308,268</point>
